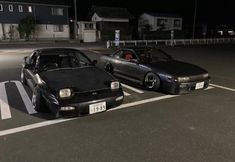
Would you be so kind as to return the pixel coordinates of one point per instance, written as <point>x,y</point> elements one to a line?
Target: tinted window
<point>63,60</point>
<point>149,55</point>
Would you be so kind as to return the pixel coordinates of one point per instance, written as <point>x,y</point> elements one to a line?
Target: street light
<point>194,18</point>
<point>75,20</point>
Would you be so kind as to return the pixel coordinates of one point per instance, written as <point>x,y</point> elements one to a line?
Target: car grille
<point>91,95</point>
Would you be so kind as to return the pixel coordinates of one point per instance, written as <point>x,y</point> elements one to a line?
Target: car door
<point>129,68</point>
<point>30,71</point>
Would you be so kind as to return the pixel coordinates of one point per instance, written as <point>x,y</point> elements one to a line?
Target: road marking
<point>132,88</point>
<point>4,106</point>
<point>143,102</point>
<point>57,121</point>
<point>97,52</point>
<point>27,102</point>
<point>126,94</point>
<point>33,126</point>
<point>222,87</point>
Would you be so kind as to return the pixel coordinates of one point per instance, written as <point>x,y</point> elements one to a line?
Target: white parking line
<point>4,106</point>
<point>222,87</point>
<point>27,102</point>
<point>132,88</point>
<point>126,94</point>
<point>33,126</point>
<point>56,121</point>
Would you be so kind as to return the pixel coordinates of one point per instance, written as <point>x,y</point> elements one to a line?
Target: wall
<point>46,31</point>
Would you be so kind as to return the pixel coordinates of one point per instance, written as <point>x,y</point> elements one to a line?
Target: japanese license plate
<point>199,85</point>
<point>97,107</point>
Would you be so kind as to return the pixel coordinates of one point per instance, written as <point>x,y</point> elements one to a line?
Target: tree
<point>26,27</point>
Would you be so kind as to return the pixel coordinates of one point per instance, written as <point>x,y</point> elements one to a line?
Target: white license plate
<point>97,107</point>
<point>199,85</point>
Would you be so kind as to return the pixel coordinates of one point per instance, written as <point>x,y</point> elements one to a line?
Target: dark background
<point>208,11</point>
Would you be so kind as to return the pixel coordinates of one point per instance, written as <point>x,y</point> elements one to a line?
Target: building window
<point>30,9</point>
<point>58,28</point>
<point>57,11</point>
<point>1,7</point>
<point>20,8</point>
<point>88,26</point>
<point>11,8</point>
<point>177,23</point>
<point>160,22</point>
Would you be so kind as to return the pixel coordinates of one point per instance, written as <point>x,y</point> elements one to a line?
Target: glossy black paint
<point>160,63</point>
<point>88,83</point>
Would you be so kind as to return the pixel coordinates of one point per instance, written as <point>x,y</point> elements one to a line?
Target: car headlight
<point>205,75</point>
<point>183,79</point>
<point>115,85</point>
<point>65,93</point>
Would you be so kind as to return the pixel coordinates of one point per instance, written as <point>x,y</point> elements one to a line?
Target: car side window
<point>118,54</point>
<point>128,55</point>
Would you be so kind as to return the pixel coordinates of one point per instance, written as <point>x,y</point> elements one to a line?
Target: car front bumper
<point>183,88</point>
<point>82,108</point>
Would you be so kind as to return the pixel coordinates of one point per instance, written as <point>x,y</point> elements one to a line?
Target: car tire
<point>109,68</point>
<point>37,100</point>
<point>22,78</point>
<point>152,81</point>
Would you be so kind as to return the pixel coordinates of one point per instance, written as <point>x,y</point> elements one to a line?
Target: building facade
<point>51,19</point>
<point>156,21</point>
<point>109,19</point>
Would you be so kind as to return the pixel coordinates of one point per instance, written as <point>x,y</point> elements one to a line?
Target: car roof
<point>54,51</point>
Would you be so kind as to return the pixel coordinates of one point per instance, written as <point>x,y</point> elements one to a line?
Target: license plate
<point>199,85</point>
<point>97,107</point>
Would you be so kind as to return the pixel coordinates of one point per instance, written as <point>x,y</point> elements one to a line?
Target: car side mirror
<point>27,60</point>
<point>94,62</point>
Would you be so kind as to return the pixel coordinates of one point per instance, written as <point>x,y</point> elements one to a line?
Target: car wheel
<point>23,79</point>
<point>37,100</point>
<point>109,68</point>
<point>152,81</point>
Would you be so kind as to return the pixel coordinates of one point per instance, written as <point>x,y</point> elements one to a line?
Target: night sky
<point>219,12</point>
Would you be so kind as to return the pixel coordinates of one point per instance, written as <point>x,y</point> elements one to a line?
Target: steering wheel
<point>50,66</point>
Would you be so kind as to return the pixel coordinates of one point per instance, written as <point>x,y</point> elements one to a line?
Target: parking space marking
<point>57,121</point>
<point>33,126</point>
<point>132,88</point>
<point>4,106</point>
<point>27,102</point>
<point>222,87</point>
<point>126,94</point>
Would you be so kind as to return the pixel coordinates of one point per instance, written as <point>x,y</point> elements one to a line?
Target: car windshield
<point>63,60</point>
<point>151,55</point>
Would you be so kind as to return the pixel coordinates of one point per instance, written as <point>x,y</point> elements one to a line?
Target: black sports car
<point>155,69</point>
<point>67,82</point>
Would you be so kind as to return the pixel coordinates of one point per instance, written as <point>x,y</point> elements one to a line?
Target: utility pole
<point>75,20</point>
<point>194,19</point>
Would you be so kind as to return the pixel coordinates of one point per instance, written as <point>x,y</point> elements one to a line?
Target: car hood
<point>79,79</point>
<point>177,68</point>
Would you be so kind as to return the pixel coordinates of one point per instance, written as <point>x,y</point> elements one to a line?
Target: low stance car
<point>68,83</point>
<point>155,70</point>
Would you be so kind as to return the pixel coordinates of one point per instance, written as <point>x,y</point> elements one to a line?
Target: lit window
<point>57,11</point>
<point>11,8</point>
<point>20,8</point>
<point>1,7</point>
<point>160,22</point>
<point>30,8</point>
<point>58,28</point>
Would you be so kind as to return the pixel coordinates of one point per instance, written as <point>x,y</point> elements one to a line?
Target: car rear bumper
<point>183,88</point>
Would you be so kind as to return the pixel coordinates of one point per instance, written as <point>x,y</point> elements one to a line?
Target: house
<point>158,21</point>
<point>109,19</point>
<point>87,31</point>
<point>50,17</point>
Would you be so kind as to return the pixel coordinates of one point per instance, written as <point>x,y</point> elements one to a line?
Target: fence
<point>173,42</point>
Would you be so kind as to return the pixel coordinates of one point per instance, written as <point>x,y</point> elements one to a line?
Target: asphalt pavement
<point>149,126</point>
